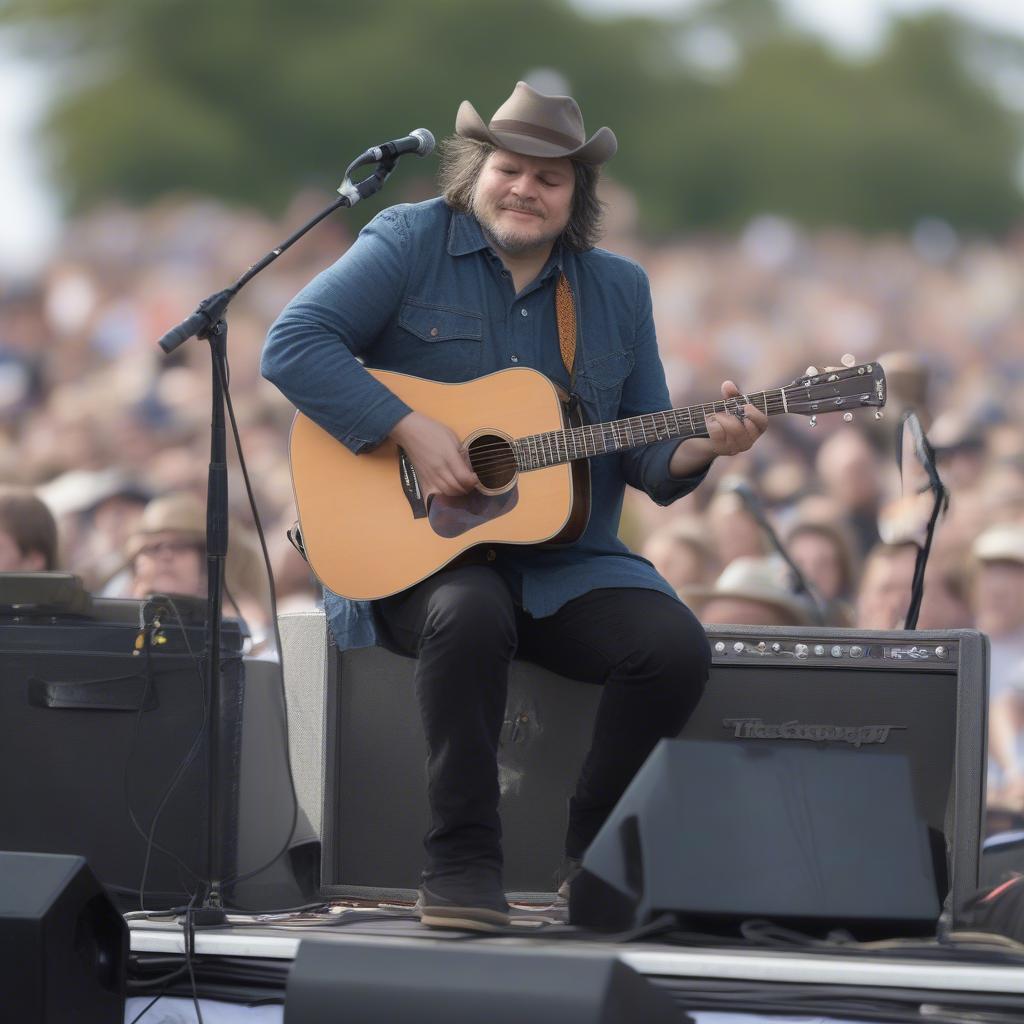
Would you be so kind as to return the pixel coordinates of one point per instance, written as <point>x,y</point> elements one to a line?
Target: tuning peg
<point>813,421</point>
<point>879,414</point>
<point>848,360</point>
<point>847,417</point>
<point>811,371</point>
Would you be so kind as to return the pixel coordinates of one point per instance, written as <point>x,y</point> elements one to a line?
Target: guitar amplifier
<point>96,730</point>
<point>919,694</point>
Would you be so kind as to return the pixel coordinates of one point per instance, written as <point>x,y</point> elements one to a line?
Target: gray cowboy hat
<point>532,124</point>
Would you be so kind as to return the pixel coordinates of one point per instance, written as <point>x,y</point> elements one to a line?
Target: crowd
<point>108,436</point>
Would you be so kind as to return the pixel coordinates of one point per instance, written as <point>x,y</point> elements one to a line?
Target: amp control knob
<point>856,651</point>
<point>837,651</point>
<point>776,647</point>
<point>738,647</point>
<point>819,649</point>
<point>800,650</point>
<point>940,652</point>
<point>720,648</point>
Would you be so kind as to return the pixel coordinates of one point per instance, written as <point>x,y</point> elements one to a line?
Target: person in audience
<point>752,591</point>
<point>28,532</point>
<point>166,554</point>
<point>850,470</point>
<point>883,597</point>
<point>824,554</point>
<point>680,551</point>
<point>998,594</point>
<point>1005,779</point>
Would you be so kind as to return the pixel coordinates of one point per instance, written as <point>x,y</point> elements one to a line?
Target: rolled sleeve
<point>311,349</point>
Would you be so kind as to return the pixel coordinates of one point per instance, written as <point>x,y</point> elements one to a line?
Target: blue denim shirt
<point>421,292</point>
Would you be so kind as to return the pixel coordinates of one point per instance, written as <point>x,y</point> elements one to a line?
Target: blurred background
<point>800,180</point>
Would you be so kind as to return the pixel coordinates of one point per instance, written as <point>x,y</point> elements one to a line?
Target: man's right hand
<point>441,462</point>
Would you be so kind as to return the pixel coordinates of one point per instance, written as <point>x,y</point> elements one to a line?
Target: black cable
<point>190,945</point>
<point>223,372</point>
<point>189,757</point>
<point>149,837</point>
<point>146,1008</point>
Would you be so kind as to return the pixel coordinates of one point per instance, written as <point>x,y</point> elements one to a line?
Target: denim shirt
<point>421,292</point>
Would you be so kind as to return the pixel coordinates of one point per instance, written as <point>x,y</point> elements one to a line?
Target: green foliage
<point>251,99</point>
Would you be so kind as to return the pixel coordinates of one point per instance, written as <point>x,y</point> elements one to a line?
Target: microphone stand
<point>753,506</point>
<point>926,457</point>
<point>209,322</point>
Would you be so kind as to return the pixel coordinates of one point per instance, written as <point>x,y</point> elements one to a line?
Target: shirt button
<point>515,359</point>
<point>433,332</point>
<point>523,312</point>
<point>491,554</point>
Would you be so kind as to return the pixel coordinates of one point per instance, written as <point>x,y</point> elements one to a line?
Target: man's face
<point>999,598</point>
<point>169,563</point>
<point>523,203</point>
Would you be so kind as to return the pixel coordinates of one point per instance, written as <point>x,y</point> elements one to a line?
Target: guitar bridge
<point>411,485</point>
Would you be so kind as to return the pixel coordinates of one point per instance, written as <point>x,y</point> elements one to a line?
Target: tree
<point>251,101</point>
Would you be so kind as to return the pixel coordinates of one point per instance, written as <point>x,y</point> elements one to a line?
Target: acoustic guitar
<point>369,531</point>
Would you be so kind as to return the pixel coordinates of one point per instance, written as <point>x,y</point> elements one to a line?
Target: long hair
<point>29,523</point>
<point>462,160</point>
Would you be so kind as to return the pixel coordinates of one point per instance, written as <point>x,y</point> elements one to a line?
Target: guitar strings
<point>557,441</point>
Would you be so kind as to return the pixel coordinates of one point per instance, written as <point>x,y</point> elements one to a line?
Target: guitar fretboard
<point>554,447</point>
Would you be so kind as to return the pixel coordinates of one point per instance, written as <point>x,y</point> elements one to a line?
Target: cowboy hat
<point>532,124</point>
<point>765,580</point>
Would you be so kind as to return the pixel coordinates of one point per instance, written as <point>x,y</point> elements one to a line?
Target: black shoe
<point>469,897</point>
<point>571,867</point>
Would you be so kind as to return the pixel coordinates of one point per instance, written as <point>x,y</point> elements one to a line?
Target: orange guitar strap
<point>565,312</point>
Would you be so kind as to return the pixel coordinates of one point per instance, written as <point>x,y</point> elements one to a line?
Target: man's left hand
<point>728,434</point>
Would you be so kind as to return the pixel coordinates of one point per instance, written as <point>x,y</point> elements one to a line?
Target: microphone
<point>419,141</point>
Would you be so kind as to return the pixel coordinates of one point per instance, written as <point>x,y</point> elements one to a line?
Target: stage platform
<point>712,982</point>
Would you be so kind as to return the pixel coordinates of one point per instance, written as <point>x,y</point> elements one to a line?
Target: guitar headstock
<point>837,388</point>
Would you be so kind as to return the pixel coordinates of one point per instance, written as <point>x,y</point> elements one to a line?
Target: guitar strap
<point>565,314</point>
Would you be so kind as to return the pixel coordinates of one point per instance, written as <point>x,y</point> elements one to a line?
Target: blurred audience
<point>28,532</point>
<point>681,551</point>
<point>752,591</point>
<point>97,421</point>
<point>166,554</point>
<point>823,552</point>
<point>999,600</point>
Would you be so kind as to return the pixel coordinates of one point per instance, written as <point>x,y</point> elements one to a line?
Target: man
<point>752,591</point>
<point>452,289</point>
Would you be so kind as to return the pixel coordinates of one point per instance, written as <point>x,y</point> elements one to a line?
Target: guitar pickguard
<point>451,517</point>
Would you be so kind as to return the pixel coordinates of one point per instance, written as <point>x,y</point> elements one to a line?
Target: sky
<point>29,219</point>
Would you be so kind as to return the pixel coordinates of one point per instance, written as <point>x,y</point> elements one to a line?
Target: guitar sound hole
<point>493,460</point>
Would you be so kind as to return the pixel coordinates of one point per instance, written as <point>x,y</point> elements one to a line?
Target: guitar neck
<point>536,451</point>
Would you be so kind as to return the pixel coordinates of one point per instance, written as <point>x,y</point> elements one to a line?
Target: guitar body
<point>367,531</point>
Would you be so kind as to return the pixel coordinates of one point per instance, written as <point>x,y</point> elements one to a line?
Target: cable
<point>224,375</point>
<point>146,1008</point>
<point>149,837</point>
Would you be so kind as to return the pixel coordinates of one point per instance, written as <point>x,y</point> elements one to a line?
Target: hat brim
<point>697,596</point>
<point>599,148</point>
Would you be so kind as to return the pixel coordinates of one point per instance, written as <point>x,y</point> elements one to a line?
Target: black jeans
<point>648,651</point>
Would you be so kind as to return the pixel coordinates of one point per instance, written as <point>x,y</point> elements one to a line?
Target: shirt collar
<point>465,236</point>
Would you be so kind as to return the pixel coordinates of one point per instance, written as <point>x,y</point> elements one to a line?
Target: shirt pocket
<point>599,384</point>
<point>440,342</point>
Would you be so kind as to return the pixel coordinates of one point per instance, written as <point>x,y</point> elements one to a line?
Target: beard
<point>508,239</point>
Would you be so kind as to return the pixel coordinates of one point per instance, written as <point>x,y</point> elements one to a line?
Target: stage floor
<point>979,973</point>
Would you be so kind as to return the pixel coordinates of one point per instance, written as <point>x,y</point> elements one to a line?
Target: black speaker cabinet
<point>95,730</point>
<point>718,833</point>
<point>451,984</point>
<point>63,946</point>
<point>921,695</point>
